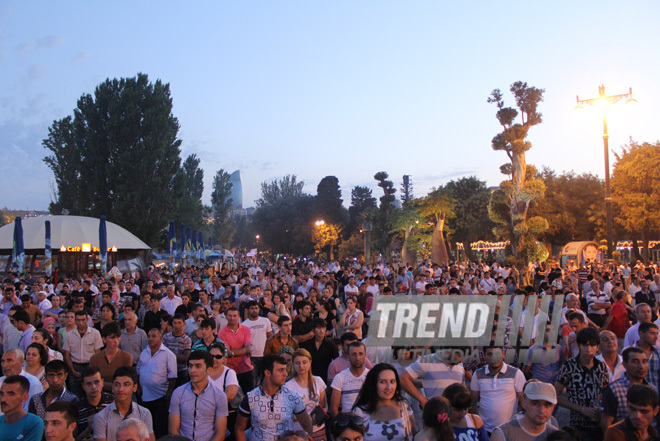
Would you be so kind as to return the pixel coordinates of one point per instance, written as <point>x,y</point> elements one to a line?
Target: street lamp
<point>604,100</point>
<point>257,237</point>
<point>318,223</point>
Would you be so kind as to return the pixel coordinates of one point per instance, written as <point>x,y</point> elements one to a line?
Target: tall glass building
<point>236,190</point>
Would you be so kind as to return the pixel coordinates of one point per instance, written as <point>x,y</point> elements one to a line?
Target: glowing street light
<point>318,223</point>
<point>603,101</point>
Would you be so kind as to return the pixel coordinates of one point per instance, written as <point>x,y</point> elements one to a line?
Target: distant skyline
<point>333,88</point>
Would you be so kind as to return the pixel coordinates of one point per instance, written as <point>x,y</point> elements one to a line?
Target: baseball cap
<point>537,390</point>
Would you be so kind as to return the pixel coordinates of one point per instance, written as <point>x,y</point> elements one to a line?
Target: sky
<point>343,88</point>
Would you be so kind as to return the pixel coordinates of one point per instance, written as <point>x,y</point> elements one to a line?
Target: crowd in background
<point>267,350</point>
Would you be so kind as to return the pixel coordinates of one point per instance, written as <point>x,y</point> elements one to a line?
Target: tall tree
<point>471,222</point>
<point>384,212</point>
<point>118,156</point>
<point>635,190</point>
<point>403,222</point>
<point>221,202</point>
<point>523,187</point>
<point>573,206</point>
<point>284,216</point>
<point>278,189</point>
<point>329,202</point>
<point>189,208</point>
<point>362,201</point>
<point>437,207</point>
<point>406,191</point>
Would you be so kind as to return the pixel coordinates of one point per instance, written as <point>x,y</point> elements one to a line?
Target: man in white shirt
<point>347,384</point>
<point>261,330</point>
<point>171,302</point>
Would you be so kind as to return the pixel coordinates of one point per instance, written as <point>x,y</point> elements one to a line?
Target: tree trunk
<point>438,249</point>
<point>635,249</point>
<point>468,251</point>
<point>645,246</point>
<point>407,255</point>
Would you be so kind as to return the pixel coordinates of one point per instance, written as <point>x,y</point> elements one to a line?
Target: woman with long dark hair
<point>383,407</point>
<point>437,421</point>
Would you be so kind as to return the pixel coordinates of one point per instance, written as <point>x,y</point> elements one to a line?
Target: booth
<point>75,246</point>
<point>583,252</point>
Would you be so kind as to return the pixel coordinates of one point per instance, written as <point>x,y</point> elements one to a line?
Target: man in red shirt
<point>238,339</point>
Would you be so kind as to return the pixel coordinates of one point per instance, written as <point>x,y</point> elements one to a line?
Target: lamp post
<point>257,237</point>
<point>604,100</point>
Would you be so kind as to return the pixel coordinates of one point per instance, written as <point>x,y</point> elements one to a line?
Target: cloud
<point>39,43</point>
<point>48,42</point>
<point>34,73</point>
<point>80,57</point>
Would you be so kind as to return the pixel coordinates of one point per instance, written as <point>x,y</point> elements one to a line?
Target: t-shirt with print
<point>303,393</point>
<point>349,386</point>
<point>270,416</point>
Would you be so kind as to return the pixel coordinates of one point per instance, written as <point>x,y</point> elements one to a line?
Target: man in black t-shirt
<point>302,329</point>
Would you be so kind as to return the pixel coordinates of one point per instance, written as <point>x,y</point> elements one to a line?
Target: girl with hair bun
<point>464,424</point>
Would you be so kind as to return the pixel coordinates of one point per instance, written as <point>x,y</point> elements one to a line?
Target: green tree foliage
<point>118,156</point>
<point>362,202</point>
<point>279,189</point>
<point>326,235</point>
<point>381,220</point>
<point>351,248</point>
<point>284,217</point>
<point>573,205</point>
<point>436,208</point>
<point>406,191</point>
<point>635,190</point>
<point>471,222</point>
<point>223,228</point>
<point>523,187</point>
<point>329,202</point>
<point>189,208</point>
<point>404,222</point>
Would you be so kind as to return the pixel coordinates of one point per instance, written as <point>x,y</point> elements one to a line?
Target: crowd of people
<point>272,350</point>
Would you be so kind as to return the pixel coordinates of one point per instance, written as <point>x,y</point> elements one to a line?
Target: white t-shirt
<point>303,392</point>
<point>259,329</point>
<point>228,378</point>
<point>435,374</point>
<point>349,386</point>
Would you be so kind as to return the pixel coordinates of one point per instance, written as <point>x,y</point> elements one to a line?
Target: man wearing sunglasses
<point>271,406</point>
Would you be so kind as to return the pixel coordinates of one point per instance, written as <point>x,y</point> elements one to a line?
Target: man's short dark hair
<point>574,315</point>
<point>89,371</point>
<point>111,330</point>
<point>301,305</point>
<point>55,366</point>
<point>67,408</point>
<point>251,303</point>
<point>631,350</point>
<point>179,317</point>
<point>640,395</point>
<point>318,322</point>
<point>82,313</point>
<point>126,371</point>
<point>355,344</point>
<point>18,379</point>
<point>207,323</point>
<point>22,316</point>
<point>348,336</point>
<point>588,336</point>
<point>283,319</point>
<point>643,327</point>
<point>268,362</point>
<point>202,355</point>
<point>233,308</point>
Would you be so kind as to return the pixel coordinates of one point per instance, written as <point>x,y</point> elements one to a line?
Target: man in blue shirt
<point>16,422</point>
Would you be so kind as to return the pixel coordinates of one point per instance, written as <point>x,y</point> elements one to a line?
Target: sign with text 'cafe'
<point>85,248</point>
